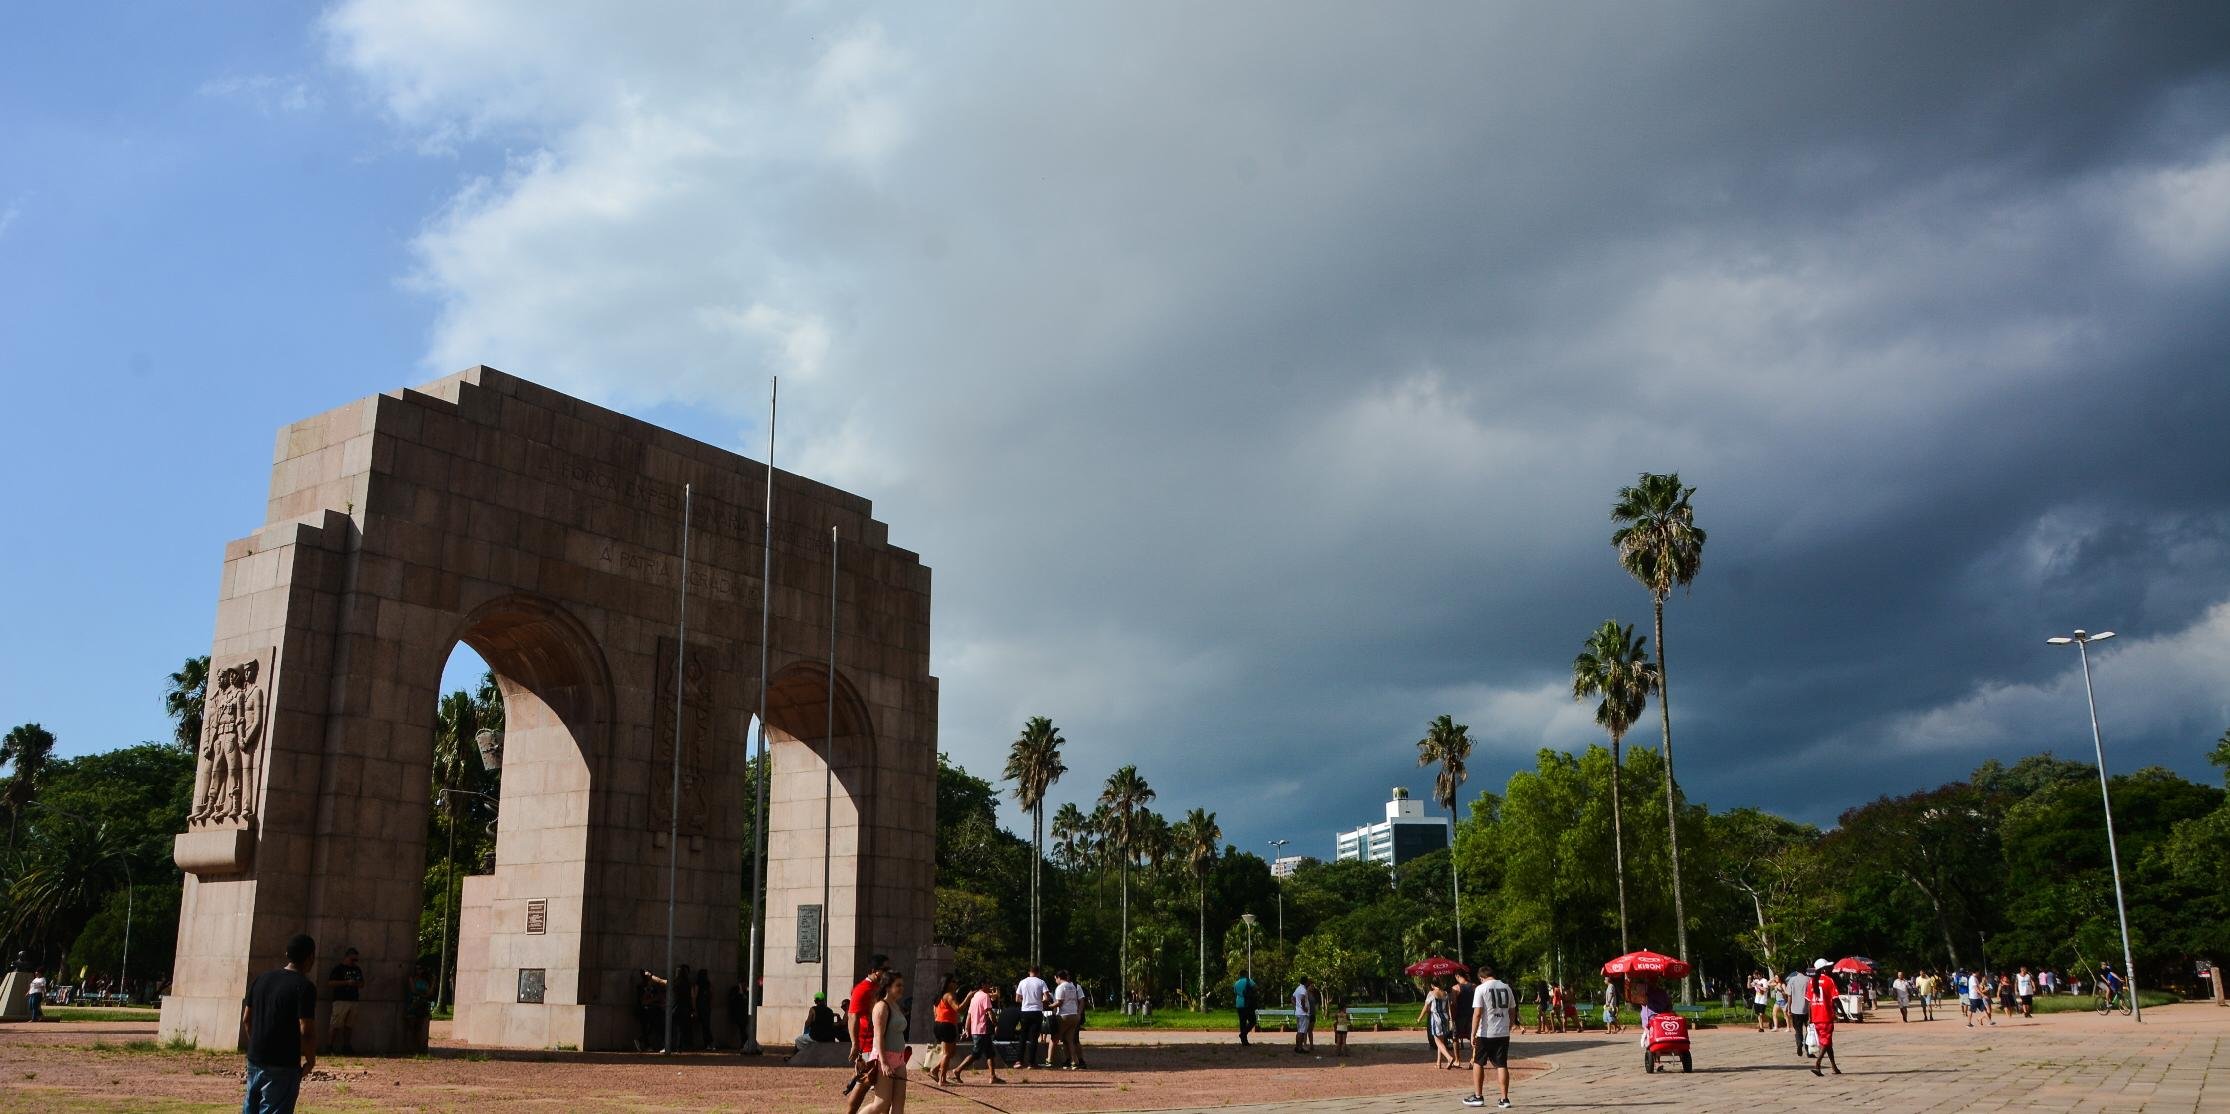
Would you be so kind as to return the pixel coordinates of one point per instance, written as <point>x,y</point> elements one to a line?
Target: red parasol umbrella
<point>1646,964</point>
<point>1434,967</point>
<point>1853,965</point>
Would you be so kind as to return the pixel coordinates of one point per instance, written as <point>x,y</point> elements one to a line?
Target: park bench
<point>1375,1014</point>
<point>1284,1017</point>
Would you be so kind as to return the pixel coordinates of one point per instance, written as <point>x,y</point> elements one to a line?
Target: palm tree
<point>1615,666</point>
<point>1659,544</point>
<point>1126,796</point>
<point>26,750</point>
<point>182,699</point>
<point>1072,837</point>
<point>1197,836</point>
<point>1033,765</point>
<point>1448,743</point>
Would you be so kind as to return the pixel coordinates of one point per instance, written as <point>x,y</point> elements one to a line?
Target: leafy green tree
<point>1197,836</point>
<point>1447,744</point>
<point>1660,545</point>
<point>1339,971</point>
<point>1614,667</point>
<point>1943,844</point>
<point>1125,797</point>
<point>27,749</point>
<point>1033,765</point>
<point>1775,864</point>
<point>182,700</point>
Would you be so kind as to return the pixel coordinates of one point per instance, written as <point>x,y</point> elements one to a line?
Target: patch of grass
<point>2079,1003</point>
<point>103,1013</point>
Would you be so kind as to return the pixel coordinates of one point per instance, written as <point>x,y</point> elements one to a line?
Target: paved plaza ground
<point>2069,1062</point>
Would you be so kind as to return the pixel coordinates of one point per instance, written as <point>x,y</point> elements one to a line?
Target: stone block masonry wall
<point>544,532</point>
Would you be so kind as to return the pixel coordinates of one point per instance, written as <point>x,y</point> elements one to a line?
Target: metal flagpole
<point>828,769</point>
<point>673,803</point>
<point>759,778</point>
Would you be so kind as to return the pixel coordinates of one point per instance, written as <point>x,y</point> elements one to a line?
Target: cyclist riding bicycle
<point>2113,984</point>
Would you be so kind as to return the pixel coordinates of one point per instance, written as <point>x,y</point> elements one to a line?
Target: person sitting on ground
<point>1006,1032</point>
<point>821,1024</point>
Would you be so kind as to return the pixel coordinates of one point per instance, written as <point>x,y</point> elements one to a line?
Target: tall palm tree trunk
<point>1122,946</point>
<point>1201,1002</point>
<point>1672,808</point>
<point>1618,844</point>
<point>1037,856</point>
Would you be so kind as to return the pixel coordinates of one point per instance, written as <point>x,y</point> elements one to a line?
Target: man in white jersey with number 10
<point>1494,1013</point>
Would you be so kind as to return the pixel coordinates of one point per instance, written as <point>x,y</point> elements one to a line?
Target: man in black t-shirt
<point>345,982</point>
<point>279,1016</point>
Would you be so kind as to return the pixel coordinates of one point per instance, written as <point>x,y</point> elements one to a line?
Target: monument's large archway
<point>546,533</point>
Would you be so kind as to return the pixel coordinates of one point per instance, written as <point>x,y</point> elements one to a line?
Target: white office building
<point>1405,834</point>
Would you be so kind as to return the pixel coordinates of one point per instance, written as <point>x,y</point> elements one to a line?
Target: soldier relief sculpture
<point>231,732</point>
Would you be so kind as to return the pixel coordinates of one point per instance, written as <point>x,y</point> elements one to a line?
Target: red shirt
<point>863,1011</point>
<point>1821,995</point>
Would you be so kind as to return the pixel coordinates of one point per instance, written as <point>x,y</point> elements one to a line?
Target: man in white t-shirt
<point>1304,1018</point>
<point>37,996</point>
<point>1068,1021</point>
<point>1494,1012</point>
<point>2024,990</point>
<point>1030,995</point>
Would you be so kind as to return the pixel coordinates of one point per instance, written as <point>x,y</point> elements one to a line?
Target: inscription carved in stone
<point>696,729</point>
<point>233,719</point>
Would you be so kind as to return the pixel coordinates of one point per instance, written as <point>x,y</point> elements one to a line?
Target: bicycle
<point>2118,999</point>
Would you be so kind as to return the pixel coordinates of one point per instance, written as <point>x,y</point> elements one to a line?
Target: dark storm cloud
<point>1258,378</point>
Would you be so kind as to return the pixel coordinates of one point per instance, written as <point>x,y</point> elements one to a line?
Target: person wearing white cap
<point>1821,996</point>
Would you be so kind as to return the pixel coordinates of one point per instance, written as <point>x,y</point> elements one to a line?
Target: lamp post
<point>124,976</point>
<point>1280,845</point>
<point>1248,918</point>
<point>2082,640</point>
<point>487,742</point>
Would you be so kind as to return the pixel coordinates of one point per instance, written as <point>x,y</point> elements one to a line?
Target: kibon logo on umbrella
<point>1435,967</point>
<point>1646,964</point>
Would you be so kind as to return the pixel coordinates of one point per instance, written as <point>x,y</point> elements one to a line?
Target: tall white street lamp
<point>1280,845</point>
<point>1249,919</point>
<point>124,980</point>
<point>2082,640</point>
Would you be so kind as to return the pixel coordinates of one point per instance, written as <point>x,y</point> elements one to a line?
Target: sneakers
<point>1503,1103</point>
<point>1474,1100</point>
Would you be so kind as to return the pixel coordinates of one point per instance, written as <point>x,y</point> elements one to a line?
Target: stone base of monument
<point>15,996</point>
<point>823,1054</point>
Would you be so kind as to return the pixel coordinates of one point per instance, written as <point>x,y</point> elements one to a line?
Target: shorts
<point>1609,1016</point>
<point>2027,1000</point>
<point>946,1032</point>
<point>1978,1005</point>
<point>1303,1023</point>
<point>344,1015</point>
<point>1759,1008</point>
<point>1491,1050</point>
<point>985,1048</point>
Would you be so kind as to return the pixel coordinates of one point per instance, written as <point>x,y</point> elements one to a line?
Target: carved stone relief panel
<point>235,717</point>
<point>696,735</point>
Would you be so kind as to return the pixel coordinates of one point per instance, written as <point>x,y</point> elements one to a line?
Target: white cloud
<point>2149,685</point>
<point>269,94</point>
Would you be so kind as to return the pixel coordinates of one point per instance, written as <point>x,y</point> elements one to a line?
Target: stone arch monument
<point>545,533</point>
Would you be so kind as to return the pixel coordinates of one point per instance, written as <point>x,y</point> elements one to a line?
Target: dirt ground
<point>118,1066</point>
